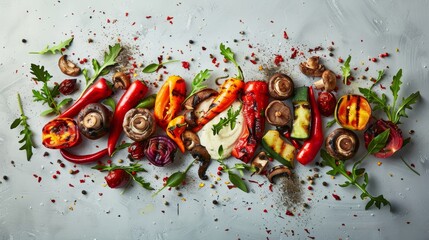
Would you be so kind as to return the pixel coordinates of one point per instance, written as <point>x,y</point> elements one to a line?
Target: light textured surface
<point>363,29</point>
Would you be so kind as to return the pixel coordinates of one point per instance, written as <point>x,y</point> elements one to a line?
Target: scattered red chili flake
<point>294,53</point>
<point>62,165</point>
<point>54,176</point>
<point>169,18</point>
<point>278,59</point>
<point>336,197</point>
<point>39,179</point>
<point>231,186</point>
<point>82,180</point>
<point>259,184</point>
<point>265,210</point>
<point>147,17</point>
<point>203,48</point>
<point>250,46</point>
<point>71,185</point>
<point>382,87</point>
<point>214,60</point>
<point>108,20</point>
<point>185,65</point>
<point>366,69</point>
<point>135,38</point>
<point>310,188</point>
<point>285,36</point>
<point>53,200</point>
<point>126,14</point>
<point>58,172</point>
<point>270,187</point>
<point>253,61</point>
<point>373,59</point>
<point>289,213</point>
<point>340,60</point>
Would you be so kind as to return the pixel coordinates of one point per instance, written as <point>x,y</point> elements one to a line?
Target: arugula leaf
<point>353,178</point>
<point>132,168</point>
<point>101,70</point>
<point>197,83</point>
<point>230,119</point>
<point>26,132</point>
<point>120,147</point>
<point>406,104</point>
<point>47,95</point>
<point>57,48</point>
<point>396,86</point>
<point>229,55</point>
<point>346,69</point>
<point>153,67</point>
<point>379,78</point>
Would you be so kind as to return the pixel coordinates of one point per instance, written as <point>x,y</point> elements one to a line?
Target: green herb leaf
<point>406,164</point>
<point>331,123</point>
<point>220,151</point>
<point>153,67</point>
<point>175,179</point>
<point>396,86</point>
<point>379,142</point>
<point>406,104</point>
<point>131,170</point>
<point>57,48</point>
<point>110,102</point>
<point>197,83</point>
<point>147,102</point>
<point>379,78</point>
<point>346,69</point>
<point>238,182</point>
<point>40,74</point>
<point>230,119</point>
<point>100,70</point>
<point>26,133</point>
<point>120,147</point>
<point>229,55</point>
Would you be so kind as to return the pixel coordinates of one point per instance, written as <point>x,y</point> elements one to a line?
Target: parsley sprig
<point>354,177</point>
<point>229,55</point>
<point>101,70</point>
<point>26,132</point>
<point>230,120</point>
<point>395,111</point>
<point>346,69</point>
<point>132,170</point>
<point>55,49</point>
<point>197,83</point>
<point>234,178</point>
<point>47,95</point>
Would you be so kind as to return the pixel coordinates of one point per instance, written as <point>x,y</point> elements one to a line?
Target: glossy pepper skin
<point>130,99</point>
<point>168,102</point>
<point>60,133</point>
<point>311,146</point>
<point>255,100</point>
<point>97,92</point>
<point>228,93</point>
<point>174,130</point>
<point>83,159</point>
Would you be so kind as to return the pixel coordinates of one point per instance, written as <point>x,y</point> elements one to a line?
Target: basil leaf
<point>176,179</point>
<point>237,181</point>
<point>379,142</point>
<point>110,102</point>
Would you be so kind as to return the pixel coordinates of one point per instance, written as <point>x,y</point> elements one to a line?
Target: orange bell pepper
<point>169,100</point>
<point>175,129</point>
<point>60,133</point>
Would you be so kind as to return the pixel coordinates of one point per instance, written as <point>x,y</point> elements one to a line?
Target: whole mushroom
<point>328,81</point>
<point>278,114</point>
<point>94,120</point>
<point>139,124</point>
<point>67,67</point>
<point>312,67</point>
<point>280,86</point>
<point>198,152</point>
<point>342,144</point>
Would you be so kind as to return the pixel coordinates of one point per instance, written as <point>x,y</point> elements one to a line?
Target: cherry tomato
<point>68,86</point>
<point>117,178</point>
<point>326,103</point>
<point>136,150</point>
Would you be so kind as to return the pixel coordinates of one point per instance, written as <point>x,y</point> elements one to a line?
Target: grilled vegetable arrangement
<point>235,114</point>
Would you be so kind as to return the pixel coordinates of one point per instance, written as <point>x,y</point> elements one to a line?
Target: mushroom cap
<point>94,120</point>
<point>139,124</point>
<point>342,144</point>
<point>190,139</point>
<point>278,114</point>
<point>192,102</point>
<point>280,86</point>
<point>278,171</point>
<point>329,80</point>
<point>312,67</point>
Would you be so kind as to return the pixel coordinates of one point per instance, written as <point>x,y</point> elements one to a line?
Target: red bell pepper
<point>311,146</point>
<point>60,133</point>
<point>97,92</point>
<point>175,129</point>
<point>130,99</point>
<point>255,100</point>
<point>168,102</point>
<point>83,159</point>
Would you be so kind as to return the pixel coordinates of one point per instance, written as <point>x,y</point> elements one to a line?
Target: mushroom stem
<point>319,84</point>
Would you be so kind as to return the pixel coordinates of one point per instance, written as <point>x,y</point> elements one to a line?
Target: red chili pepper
<point>83,159</point>
<point>175,129</point>
<point>97,92</point>
<point>311,146</point>
<point>60,133</point>
<point>169,100</point>
<point>255,100</point>
<point>130,99</point>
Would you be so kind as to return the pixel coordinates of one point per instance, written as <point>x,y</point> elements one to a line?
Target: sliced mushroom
<point>328,81</point>
<point>278,114</point>
<point>342,144</point>
<point>312,67</point>
<point>198,97</point>
<point>121,80</point>
<point>190,118</point>
<point>277,171</point>
<point>67,67</point>
<point>200,153</point>
<point>94,120</point>
<point>280,86</point>
<point>260,162</point>
<point>190,139</point>
<point>139,124</point>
